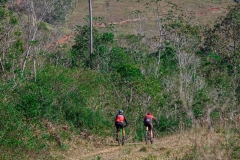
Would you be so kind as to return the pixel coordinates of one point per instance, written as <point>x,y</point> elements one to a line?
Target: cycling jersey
<point>120,118</point>
<point>149,118</point>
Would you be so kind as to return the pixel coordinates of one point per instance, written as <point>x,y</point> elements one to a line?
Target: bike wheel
<point>147,136</point>
<point>119,141</point>
<point>151,139</point>
<point>120,138</point>
<point>122,141</point>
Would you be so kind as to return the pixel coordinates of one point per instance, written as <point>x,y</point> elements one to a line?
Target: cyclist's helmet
<point>149,113</point>
<point>120,111</point>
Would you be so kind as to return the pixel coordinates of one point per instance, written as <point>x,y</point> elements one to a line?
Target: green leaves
<point>11,42</point>
<point>214,56</point>
<point>101,47</point>
<point>13,21</point>
<point>129,71</point>
<point>2,13</point>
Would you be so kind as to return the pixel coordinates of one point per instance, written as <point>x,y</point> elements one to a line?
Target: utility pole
<point>91,34</point>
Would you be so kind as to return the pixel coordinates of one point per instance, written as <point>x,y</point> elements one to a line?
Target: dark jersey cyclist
<point>148,123</point>
<point>119,123</point>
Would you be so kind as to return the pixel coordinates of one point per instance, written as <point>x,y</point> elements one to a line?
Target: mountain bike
<point>120,136</point>
<point>147,136</point>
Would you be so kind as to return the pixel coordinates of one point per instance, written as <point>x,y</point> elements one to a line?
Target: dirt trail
<point>100,152</point>
<point>107,150</point>
<point>169,147</point>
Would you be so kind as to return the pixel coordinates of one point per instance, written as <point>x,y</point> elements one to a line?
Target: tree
<point>221,58</point>
<point>91,33</point>
<point>186,82</point>
<point>100,55</point>
<point>11,44</point>
<point>161,19</point>
<point>37,12</point>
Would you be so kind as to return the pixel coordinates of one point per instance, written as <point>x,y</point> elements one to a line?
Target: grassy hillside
<point>135,17</point>
<point>205,12</point>
<point>59,99</point>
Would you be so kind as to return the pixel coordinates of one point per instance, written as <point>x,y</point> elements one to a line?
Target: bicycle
<point>148,137</point>
<point>121,138</point>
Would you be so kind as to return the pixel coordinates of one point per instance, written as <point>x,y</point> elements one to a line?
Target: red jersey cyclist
<point>119,123</point>
<point>148,123</point>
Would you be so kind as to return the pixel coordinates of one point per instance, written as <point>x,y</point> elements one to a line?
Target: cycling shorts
<point>119,125</point>
<point>149,125</point>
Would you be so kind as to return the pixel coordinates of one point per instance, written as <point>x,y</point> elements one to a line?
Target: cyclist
<point>119,123</point>
<point>148,124</point>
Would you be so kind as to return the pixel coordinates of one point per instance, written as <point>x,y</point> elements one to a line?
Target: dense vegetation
<point>190,78</point>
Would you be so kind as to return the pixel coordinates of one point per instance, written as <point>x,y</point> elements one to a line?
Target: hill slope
<point>171,147</point>
<point>116,11</point>
<point>193,144</point>
<point>132,17</point>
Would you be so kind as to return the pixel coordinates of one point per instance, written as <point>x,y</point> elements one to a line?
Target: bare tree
<point>37,12</point>
<point>10,43</point>
<point>161,18</point>
<point>188,82</point>
<point>91,33</point>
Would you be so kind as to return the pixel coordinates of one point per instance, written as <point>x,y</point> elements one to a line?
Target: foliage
<point>220,59</point>
<point>62,99</point>
<point>222,42</point>
<point>61,9</point>
<point>18,136</point>
<point>11,43</point>
<point>81,51</point>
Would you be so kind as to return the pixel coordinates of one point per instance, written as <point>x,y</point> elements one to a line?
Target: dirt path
<point>108,150</point>
<point>170,147</point>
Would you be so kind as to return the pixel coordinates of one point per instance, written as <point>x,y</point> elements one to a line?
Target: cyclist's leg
<point>148,126</point>
<point>117,130</point>
<point>123,131</point>
<point>147,133</point>
<point>117,134</point>
<point>151,131</point>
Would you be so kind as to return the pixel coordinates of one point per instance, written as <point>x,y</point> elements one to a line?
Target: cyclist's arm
<point>156,121</point>
<point>125,120</point>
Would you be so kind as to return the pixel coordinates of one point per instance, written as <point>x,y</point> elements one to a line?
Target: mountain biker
<point>148,123</point>
<point>119,123</point>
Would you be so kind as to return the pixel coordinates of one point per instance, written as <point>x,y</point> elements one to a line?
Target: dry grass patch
<point>192,144</point>
<point>117,11</point>
<point>212,145</point>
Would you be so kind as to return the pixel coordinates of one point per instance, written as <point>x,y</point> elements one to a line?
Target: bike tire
<point>119,141</point>
<point>120,137</point>
<point>122,141</point>
<point>147,137</point>
<point>151,140</point>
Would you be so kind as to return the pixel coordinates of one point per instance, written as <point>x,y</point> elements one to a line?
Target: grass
<point>123,10</point>
<point>116,11</point>
<point>189,144</point>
